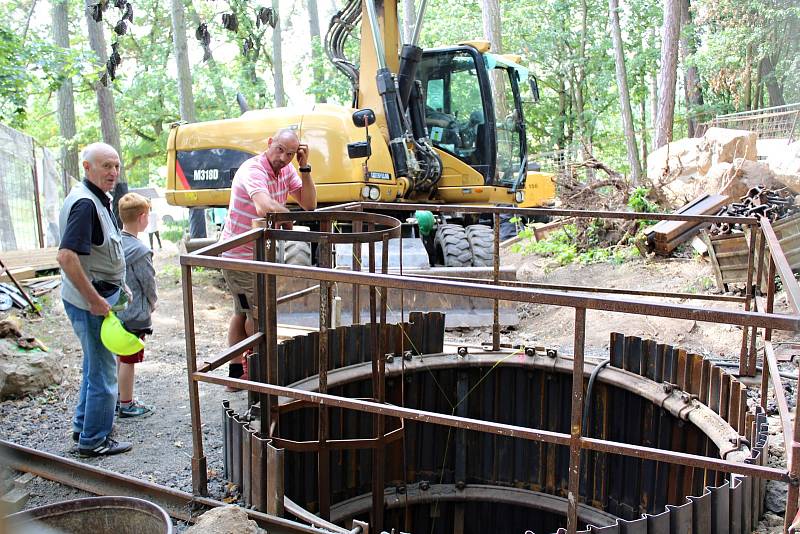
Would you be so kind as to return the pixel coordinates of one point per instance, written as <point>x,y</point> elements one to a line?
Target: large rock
<point>23,372</point>
<point>786,166</point>
<point>721,145</point>
<point>742,175</point>
<point>673,161</point>
<point>225,520</point>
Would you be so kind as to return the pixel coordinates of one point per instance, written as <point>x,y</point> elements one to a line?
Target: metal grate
<point>779,122</point>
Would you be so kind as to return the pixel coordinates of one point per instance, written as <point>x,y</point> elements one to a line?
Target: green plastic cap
<point>425,221</point>
<point>117,339</point>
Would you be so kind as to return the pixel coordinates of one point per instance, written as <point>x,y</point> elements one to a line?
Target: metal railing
<point>756,318</point>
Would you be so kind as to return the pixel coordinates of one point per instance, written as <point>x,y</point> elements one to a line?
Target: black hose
<point>587,401</point>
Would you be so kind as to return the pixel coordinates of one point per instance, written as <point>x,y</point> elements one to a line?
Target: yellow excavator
<point>450,130</point>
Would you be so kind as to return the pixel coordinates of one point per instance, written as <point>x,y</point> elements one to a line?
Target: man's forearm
<point>308,193</point>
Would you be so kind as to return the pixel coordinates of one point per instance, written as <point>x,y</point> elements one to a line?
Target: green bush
<point>174,230</point>
<point>560,245</point>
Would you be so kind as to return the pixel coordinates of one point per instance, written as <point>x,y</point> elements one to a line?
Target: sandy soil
<point>162,443</point>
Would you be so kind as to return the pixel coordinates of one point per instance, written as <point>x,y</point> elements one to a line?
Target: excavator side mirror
<point>362,115</point>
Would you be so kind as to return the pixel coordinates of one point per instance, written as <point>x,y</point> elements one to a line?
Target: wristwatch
<point>307,168</point>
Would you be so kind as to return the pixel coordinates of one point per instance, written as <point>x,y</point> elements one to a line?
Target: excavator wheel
<point>295,253</point>
<point>481,243</point>
<point>452,246</point>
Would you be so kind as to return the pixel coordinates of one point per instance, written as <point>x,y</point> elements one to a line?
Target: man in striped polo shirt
<point>260,186</point>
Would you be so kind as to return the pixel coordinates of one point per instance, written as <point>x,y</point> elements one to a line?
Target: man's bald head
<point>281,148</point>
<point>286,134</point>
<point>102,165</point>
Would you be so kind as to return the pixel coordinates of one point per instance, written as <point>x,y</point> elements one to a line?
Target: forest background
<point>608,70</point>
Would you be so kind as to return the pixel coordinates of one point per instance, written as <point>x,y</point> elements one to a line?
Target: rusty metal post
<point>752,356</point>
<point>324,454</point>
<point>269,358</point>
<point>770,295</point>
<point>794,475</point>
<point>37,203</point>
<point>573,494</point>
<point>379,392</point>
<point>744,368</point>
<point>496,278</point>
<point>199,466</point>
<point>357,225</point>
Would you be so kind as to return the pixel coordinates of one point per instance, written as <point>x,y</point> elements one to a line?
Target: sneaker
<point>76,436</point>
<point>106,448</point>
<point>136,409</point>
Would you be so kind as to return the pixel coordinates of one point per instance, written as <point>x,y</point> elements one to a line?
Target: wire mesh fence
<point>30,193</point>
<point>780,122</point>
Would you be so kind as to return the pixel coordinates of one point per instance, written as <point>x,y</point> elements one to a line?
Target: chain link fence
<point>31,193</point>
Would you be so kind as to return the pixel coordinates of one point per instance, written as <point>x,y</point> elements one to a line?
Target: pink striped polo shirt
<point>254,176</point>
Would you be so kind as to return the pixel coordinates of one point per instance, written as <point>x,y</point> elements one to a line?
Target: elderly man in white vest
<point>93,277</point>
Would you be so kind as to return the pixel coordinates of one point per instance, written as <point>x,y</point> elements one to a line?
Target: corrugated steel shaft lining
<point>619,415</point>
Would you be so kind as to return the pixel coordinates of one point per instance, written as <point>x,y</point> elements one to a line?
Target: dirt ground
<point>162,443</point>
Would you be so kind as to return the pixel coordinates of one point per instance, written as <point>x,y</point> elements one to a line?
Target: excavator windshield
<point>473,110</point>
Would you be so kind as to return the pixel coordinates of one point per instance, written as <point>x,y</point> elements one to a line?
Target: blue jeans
<point>94,415</point>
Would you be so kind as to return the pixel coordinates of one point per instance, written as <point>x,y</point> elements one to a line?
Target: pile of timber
<point>665,236</point>
<point>25,264</point>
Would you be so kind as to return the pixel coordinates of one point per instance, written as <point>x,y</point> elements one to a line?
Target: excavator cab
<point>473,110</point>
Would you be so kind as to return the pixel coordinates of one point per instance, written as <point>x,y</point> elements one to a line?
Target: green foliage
<point>175,230</point>
<point>560,245</point>
<point>28,68</point>
<point>568,52</point>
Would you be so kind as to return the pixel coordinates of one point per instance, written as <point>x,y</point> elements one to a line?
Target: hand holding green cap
<point>117,339</point>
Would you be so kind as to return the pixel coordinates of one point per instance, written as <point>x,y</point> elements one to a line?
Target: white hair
<point>91,151</point>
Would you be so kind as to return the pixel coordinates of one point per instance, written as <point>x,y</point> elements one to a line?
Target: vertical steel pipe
<point>269,372</point>
<point>236,444</point>
<point>199,467</point>
<point>357,267</point>
<point>323,431</point>
<point>744,368</point>
<point>496,278</point>
<point>379,389</point>
<point>573,493</point>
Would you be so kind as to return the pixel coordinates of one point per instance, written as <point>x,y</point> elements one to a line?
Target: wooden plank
<point>39,259</point>
<point>19,274</point>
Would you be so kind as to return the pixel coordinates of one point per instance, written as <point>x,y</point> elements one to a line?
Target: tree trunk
<point>185,96</point>
<point>668,72</point>
<point>767,74</point>
<point>316,48</point>
<point>277,58</point>
<point>409,19</point>
<point>490,11</point>
<point>70,166</point>
<point>105,102</point>
<point>624,95</point>
<point>691,77</point>
<point>643,111</point>
<point>213,69</point>
<point>748,78</point>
